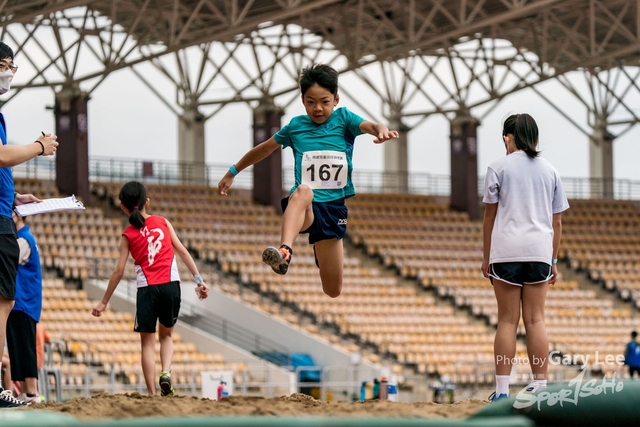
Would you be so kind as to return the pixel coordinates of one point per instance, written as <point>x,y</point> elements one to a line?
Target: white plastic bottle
<point>393,389</point>
<point>225,390</point>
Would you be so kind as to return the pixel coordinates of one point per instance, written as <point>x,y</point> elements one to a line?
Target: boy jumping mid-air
<point>322,142</point>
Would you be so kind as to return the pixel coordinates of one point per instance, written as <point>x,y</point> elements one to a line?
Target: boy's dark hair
<point>5,51</point>
<point>525,133</point>
<point>133,196</point>
<point>634,335</point>
<point>323,75</point>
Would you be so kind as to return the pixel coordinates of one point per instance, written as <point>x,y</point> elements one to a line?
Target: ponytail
<point>136,219</point>
<point>133,195</point>
<point>525,133</point>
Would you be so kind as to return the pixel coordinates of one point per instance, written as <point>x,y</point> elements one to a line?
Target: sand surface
<point>135,405</point>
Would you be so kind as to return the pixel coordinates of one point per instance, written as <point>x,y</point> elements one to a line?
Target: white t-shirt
<point>528,193</point>
<point>25,250</point>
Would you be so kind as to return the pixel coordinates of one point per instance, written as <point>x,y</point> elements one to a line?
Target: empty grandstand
<point>413,301</point>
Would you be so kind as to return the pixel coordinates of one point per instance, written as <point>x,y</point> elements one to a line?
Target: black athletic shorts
<point>9,257</point>
<point>21,343</point>
<point>520,273</point>
<point>157,303</point>
<point>329,220</point>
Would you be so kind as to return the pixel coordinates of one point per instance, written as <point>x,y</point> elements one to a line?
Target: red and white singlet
<point>152,252</point>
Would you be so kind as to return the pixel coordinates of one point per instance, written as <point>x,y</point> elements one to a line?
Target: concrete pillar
<point>601,162</point>
<point>191,146</point>
<point>396,158</point>
<point>464,165</point>
<point>72,156</point>
<point>267,174</point>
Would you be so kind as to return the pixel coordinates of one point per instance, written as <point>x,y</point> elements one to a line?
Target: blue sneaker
<point>494,398</point>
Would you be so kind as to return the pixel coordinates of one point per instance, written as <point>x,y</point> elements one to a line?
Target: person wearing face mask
<point>10,156</point>
<point>522,228</point>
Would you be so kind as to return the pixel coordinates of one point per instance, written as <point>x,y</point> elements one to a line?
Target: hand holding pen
<point>48,144</point>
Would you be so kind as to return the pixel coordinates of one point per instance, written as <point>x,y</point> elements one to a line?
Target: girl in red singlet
<point>151,240</point>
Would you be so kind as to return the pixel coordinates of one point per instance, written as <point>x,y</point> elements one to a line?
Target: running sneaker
<point>277,259</point>
<point>494,398</point>
<point>8,401</point>
<point>29,399</point>
<point>166,389</point>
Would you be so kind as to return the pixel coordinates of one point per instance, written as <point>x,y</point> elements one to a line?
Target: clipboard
<point>50,205</point>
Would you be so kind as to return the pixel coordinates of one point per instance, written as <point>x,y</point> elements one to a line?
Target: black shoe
<point>166,389</point>
<point>277,259</point>
<point>8,401</point>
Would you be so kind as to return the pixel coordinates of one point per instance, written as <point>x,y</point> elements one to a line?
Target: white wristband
<point>554,261</point>
<point>198,279</point>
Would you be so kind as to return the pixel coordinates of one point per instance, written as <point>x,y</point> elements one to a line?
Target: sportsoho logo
<point>576,388</point>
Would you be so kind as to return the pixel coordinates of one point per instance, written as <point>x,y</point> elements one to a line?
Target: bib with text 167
<point>324,170</point>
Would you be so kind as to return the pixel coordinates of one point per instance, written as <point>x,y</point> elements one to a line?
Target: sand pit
<point>134,405</point>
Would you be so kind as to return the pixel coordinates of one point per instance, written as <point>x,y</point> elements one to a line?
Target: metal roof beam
<point>431,41</point>
<point>26,11</point>
<point>221,34</point>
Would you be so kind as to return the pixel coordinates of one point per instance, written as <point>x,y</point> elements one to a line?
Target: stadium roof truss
<point>422,57</point>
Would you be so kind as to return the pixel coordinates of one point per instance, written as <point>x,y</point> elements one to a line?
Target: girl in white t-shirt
<point>522,228</point>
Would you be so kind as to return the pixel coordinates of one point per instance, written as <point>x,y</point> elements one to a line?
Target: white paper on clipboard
<point>50,205</point>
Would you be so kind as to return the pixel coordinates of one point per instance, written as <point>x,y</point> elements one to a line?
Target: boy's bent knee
<point>303,191</point>
<point>333,292</point>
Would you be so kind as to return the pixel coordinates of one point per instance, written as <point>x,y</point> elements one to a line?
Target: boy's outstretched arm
<point>380,131</point>
<point>118,272</point>
<point>253,156</point>
<point>202,290</point>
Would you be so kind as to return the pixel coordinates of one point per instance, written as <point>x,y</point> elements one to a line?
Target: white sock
<point>502,385</point>
<point>541,384</point>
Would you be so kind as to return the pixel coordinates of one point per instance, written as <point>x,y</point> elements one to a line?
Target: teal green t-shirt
<point>323,152</point>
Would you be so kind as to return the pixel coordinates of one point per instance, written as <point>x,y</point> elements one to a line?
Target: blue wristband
<point>233,170</point>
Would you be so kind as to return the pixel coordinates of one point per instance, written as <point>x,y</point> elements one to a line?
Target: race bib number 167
<point>324,170</point>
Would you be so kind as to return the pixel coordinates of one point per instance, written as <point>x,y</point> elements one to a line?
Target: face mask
<point>5,81</point>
